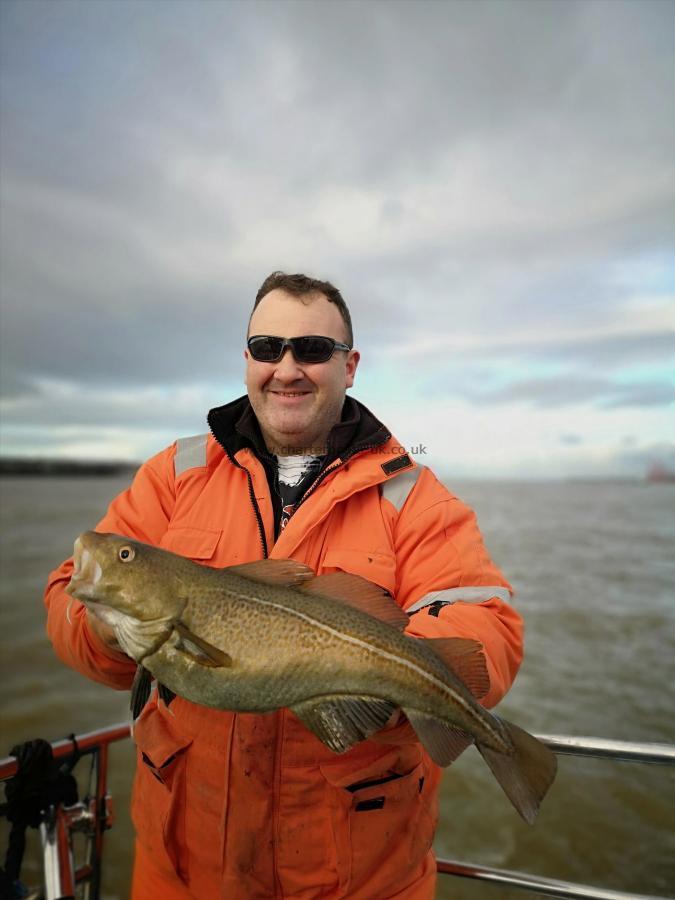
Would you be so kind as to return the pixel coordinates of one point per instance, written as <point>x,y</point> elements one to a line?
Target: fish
<point>271,634</point>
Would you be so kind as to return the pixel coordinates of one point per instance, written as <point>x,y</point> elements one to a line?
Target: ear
<point>247,357</point>
<point>350,366</point>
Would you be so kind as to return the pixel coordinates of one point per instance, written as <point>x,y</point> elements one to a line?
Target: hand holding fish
<point>103,631</point>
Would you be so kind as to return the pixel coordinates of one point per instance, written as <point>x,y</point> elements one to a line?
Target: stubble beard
<point>293,434</point>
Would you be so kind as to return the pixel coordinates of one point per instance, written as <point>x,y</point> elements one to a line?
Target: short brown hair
<point>303,286</point>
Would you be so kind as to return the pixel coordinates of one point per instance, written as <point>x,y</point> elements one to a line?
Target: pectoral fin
<point>140,691</point>
<point>342,721</point>
<point>200,650</point>
<point>165,694</point>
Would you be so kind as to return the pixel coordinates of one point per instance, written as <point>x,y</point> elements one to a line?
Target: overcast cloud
<point>490,184</point>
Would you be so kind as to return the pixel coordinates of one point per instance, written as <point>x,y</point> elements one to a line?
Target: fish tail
<point>524,775</point>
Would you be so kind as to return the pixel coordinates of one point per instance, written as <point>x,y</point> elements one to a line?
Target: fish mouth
<point>86,573</point>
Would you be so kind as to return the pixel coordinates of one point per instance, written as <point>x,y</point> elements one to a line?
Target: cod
<point>270,634</point>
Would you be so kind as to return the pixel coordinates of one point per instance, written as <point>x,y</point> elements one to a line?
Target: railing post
<point>57,853</point>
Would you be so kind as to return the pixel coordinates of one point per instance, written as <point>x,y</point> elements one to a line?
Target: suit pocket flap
<point>157,739</point>
<point>373,763</point>
<point>373,565</point>
<point>195,543</point>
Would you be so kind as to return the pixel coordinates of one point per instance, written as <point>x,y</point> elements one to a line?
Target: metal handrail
<point>632,751</point>
<point>561,744</point>
<point>83,743</point>
<point>599,748</point>
<point>550,887</point>
<point>604,748</point>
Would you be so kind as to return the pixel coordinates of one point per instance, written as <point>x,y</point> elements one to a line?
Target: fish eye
<point>126,554</point>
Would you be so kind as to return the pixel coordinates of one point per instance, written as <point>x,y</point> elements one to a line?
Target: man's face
<point>296,403</point>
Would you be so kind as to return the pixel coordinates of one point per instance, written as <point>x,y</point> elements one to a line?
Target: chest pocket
<point>195,543</point>
<point>376,566</point>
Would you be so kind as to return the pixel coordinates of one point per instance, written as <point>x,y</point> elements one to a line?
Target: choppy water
<point>594,567</point>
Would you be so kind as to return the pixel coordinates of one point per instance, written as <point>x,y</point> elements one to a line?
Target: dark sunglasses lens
<point>313,349</point>
<point>265,349</point>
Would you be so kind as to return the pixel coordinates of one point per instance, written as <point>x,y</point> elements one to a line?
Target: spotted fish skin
<point>266,635</point>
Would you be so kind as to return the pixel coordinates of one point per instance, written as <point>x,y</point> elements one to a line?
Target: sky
<point>491,185</point>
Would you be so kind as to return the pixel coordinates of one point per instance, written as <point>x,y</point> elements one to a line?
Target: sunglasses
<point>311,349</point>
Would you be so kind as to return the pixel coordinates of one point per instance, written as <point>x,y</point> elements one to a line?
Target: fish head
<point>130,586</point>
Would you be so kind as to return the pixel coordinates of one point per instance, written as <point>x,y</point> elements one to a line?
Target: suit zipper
<point>278,893</point>
<point>333,467</point>
<point>254,503</point>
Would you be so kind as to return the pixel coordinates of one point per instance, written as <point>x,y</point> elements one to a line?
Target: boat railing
<point>566,745</point>
<point>93,816</point>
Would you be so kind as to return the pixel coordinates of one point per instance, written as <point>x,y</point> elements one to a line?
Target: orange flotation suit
<point>243,806</point>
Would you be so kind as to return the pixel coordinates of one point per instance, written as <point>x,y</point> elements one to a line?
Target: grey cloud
<point>613,351</point>
<point>542,392</point>
<point>567,390</point>
<point>515,151</point>
<point>362,92</point>
<point>68,407</point>
<point>14,386</point>
<point>609,352</point>
<point>495,301</point>
<point>160,341</point>
<point>447,73</point>
<point>650,394</point>
<point>81,298</point>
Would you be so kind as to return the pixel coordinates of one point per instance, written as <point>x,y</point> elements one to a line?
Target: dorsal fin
<point>359,593</point>
<point>286,572</point>
<point>466,659</point>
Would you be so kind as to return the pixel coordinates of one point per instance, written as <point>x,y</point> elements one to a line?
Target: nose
<point>287,369</point>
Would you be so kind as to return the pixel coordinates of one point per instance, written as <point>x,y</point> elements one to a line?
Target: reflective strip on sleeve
<point>467,594</point>
<point>397,490</point>
<point>190,452</point>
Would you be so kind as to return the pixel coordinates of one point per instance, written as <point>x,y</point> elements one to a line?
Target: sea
<point>593,565</point>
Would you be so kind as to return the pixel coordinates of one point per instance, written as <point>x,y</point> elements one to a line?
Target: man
<point>244,806</point>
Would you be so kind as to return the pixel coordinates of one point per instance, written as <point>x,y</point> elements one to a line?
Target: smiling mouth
<point>290,393</point>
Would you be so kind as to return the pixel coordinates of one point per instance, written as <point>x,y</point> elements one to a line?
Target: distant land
<point>21,465</point>
<point>97,468</point>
